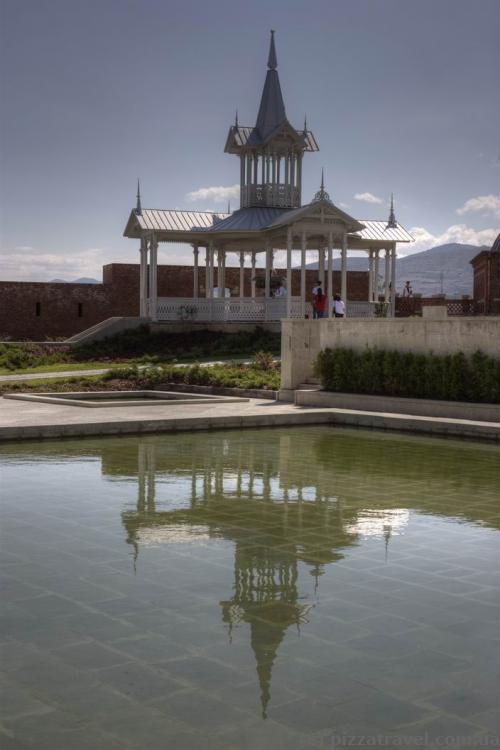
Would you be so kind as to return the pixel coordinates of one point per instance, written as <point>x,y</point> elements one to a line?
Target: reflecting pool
<point>268,588</point>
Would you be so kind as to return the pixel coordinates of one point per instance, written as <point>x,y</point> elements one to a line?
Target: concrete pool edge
<point>105,399</point>
<point>290,415</point>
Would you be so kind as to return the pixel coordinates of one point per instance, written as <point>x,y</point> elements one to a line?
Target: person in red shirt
<point>319,303</point>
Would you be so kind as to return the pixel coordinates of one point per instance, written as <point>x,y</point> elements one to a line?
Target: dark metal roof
<point>248,219</point>
<point>252,219</point>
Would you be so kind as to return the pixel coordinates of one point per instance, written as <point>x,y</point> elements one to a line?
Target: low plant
<point>263,361</point>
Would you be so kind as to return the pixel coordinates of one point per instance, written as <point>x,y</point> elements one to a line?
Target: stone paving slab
<point>28,420</point>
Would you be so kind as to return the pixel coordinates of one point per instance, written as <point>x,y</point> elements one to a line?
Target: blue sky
<point>401,95</point>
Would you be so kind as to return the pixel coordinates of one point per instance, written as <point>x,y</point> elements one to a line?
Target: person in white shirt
<point>338,307</point>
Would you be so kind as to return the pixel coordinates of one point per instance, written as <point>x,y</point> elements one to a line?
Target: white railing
<point>227,309</point>
<point>285,196</point>
<point>360,309</point>
<point>258,309</point>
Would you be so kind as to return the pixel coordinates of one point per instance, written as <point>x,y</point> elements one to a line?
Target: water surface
<point>249,589</point>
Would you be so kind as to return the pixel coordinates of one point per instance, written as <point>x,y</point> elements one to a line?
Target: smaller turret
<point>392,223</point>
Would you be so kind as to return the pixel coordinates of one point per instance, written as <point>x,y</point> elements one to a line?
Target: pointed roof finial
<point>322,195</point>
<point>272,60</point>
<point>392,223</point>
<point>305,123</point>
<point>236,123</point>
<point>138,208</point>
<point>229,207</point>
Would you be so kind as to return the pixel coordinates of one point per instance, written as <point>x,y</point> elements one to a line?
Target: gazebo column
<point>387,282</point>
<point>267,277</point>
<point>343,269</point>
<point>211,254</point>
<point>242,170</point>
<point>242,274</point>
<point>303,273</point>
<point>321,266</point>
<point>153,277</point>
<point>196,253</point>
<point>207,271</point>
<point>393,280</point>
<point>254,257</point>
<point>375,275</point>
<point>289,242</point>
<point>223,276</point>
<point>299,178</point>
<point>211,294</point>
<point>370,275</point>
<point>219,271</point>
<point>143,280</point>
<point>329,276</point>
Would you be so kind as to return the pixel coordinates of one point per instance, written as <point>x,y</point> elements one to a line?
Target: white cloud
<point>368,198</point>
<point>486,204</point>
<point>216,194</point>
<point>459,233</point>
<point>29,264</point>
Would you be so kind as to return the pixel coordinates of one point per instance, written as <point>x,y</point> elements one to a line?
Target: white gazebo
<point>271,217</point>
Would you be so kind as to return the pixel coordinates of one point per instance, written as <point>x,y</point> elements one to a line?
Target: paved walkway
<point>50,375</point>
<point>22,420</point>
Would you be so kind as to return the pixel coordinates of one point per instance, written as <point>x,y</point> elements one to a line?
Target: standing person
<point>338,307</point>
<point>317,290</point>
<point>407,290</point>
<point>320,304</point>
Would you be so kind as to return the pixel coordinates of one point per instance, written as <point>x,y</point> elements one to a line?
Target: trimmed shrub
<point>452,377</point>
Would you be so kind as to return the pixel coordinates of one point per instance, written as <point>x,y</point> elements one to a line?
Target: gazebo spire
<point>392,223</point>
<point>305,123</point>
<point>236,123</point>
<point>272,60</point>
<point>272,108</point>
<point>138,208</point>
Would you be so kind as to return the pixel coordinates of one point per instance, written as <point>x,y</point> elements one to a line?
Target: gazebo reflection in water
<point>249,497</point>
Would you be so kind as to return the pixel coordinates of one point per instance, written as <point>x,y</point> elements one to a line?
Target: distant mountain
<point>444,266</point>
<point>82,280</point>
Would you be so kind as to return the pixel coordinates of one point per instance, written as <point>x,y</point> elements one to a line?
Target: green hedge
<point>452,377</point>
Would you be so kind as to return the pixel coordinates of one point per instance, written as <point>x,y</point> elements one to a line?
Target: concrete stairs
<point>106,328</point>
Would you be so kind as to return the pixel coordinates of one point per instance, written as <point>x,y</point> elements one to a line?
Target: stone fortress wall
<point>40,310</point>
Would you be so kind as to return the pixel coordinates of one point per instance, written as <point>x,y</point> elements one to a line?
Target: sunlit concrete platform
<point>26,420</point>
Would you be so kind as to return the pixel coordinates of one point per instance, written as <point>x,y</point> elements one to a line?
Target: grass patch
<point>262,374</point>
